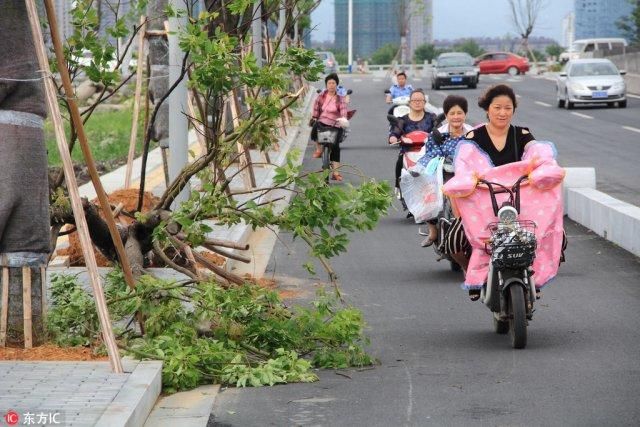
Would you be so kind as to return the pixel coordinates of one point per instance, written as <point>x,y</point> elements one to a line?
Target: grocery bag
<point>423,193</point>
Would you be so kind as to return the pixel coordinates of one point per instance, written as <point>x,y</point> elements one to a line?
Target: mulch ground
<point>50,352</point>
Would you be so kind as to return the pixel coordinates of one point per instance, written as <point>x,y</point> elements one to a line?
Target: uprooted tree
<point>220,68</point>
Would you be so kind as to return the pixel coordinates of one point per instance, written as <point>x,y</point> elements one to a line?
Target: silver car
<point>587,81</point>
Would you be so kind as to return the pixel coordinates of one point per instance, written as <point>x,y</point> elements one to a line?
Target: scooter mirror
<point>387,91</point>
<point>349,91</point>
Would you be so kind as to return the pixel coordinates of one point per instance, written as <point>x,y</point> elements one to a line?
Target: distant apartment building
<point>568,29</point>
<point>597,18</point>
<point>377,22</point>
<point>420,25</point>
<point>106,13</point>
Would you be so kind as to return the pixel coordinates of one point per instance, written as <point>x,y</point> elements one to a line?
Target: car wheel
<point>436,85</point>
<point>512,71</point>
<point>559,100</point>
<point>433,86</point>
<point>568,104</point>
<point>622,104</point>
<point>473,85</point>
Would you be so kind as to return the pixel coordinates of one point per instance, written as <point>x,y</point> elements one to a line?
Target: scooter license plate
<point>599,94</point>
<point>456,79</point>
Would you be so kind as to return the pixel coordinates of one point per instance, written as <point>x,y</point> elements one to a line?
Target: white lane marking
<point>584,116</point>
<point>518,96</point>
<point>631,129</point>
<point>544,104</point>
<point>377,80</point>
<point>630,95</point>
<point>357,80</point>
<point>410,394</point>
<point>417,80</point>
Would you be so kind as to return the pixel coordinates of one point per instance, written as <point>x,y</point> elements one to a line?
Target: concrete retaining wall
<point>613,219</point>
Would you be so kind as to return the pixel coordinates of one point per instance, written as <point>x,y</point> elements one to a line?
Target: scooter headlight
<point>507,214</point>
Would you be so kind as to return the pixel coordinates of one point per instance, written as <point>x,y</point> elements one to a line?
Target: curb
<point>133,403</point>
<point>187,409</point>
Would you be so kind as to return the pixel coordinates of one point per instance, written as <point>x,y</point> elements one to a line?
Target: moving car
<point>502,62</point>
<point>329,61</point>
<point>454,68</point>
<point>589,81</point>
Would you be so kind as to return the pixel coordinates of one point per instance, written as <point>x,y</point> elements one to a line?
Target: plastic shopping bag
<point>423,193</point>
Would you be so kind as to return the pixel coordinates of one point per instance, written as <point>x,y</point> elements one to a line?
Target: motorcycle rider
<point>399,89</point>
<point>503,143</point>
<point>442,142</point>
<point>329,109</point>
<point>417,119</point>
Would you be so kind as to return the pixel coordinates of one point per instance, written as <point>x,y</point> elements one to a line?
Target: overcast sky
<point>464,18</point>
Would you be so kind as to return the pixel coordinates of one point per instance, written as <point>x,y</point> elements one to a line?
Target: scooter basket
<point>327,136</point>
<point>512,246</point>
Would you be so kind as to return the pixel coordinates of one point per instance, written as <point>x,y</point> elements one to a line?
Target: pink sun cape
<point>540,202</point>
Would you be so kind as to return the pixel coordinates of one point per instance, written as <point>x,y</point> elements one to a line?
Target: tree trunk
<point>24,199</point>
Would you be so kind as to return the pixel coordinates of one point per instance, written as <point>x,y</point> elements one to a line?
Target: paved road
<point>440,362</point>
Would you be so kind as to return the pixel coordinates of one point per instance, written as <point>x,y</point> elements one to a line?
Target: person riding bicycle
<point>442,142</point>
<point>329,111</point>
<point>417,119</point>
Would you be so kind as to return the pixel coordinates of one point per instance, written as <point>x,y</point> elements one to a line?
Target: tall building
<point>377,22</point>
<point>597,18</point>
<point>568,29</point>
<point>420,24</point>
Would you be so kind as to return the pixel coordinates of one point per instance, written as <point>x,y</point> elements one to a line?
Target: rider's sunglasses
<point>417,100</point>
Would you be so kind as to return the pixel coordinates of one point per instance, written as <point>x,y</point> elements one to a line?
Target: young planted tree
<point>212,326</point>
<point>221,68</point>
<point>524,15</point>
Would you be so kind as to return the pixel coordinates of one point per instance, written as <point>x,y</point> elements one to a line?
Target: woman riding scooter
<point>443,142</point>
<point>417,120</point>
<point>503,143</point>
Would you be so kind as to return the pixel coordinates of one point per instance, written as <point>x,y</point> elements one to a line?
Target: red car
<point>502,62</point>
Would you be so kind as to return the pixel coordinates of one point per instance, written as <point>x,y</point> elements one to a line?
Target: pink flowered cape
<point>540,201</point>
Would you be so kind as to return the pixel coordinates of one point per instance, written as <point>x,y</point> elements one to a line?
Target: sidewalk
<point>88,393</point>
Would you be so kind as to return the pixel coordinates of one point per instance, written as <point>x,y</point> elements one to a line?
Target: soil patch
<point>285,294</point>
<point>50,352</point>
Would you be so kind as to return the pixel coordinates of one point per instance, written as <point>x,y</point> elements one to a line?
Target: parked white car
<point>588,81</point>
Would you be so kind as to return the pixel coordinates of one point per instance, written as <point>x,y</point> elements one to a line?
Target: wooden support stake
<point>136,103</point>
<point>5,306</point>
<point>72,185</point>
<point>43,282</point>
<point>84,144</point>
<point>245,160</point>
<point>26,306</point>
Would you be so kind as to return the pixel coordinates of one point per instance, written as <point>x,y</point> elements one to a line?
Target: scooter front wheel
<point>518,318</point>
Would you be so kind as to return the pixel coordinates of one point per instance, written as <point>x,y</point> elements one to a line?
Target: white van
<point>585,48</point>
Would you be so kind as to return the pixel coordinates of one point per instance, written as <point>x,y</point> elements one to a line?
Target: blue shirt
<point>397,91</point>
<point>446,149</point>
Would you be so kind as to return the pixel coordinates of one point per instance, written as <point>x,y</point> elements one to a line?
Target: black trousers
<point>398,169</point>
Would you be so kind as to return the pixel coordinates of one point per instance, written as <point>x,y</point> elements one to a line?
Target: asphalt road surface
<point>440,361</point>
